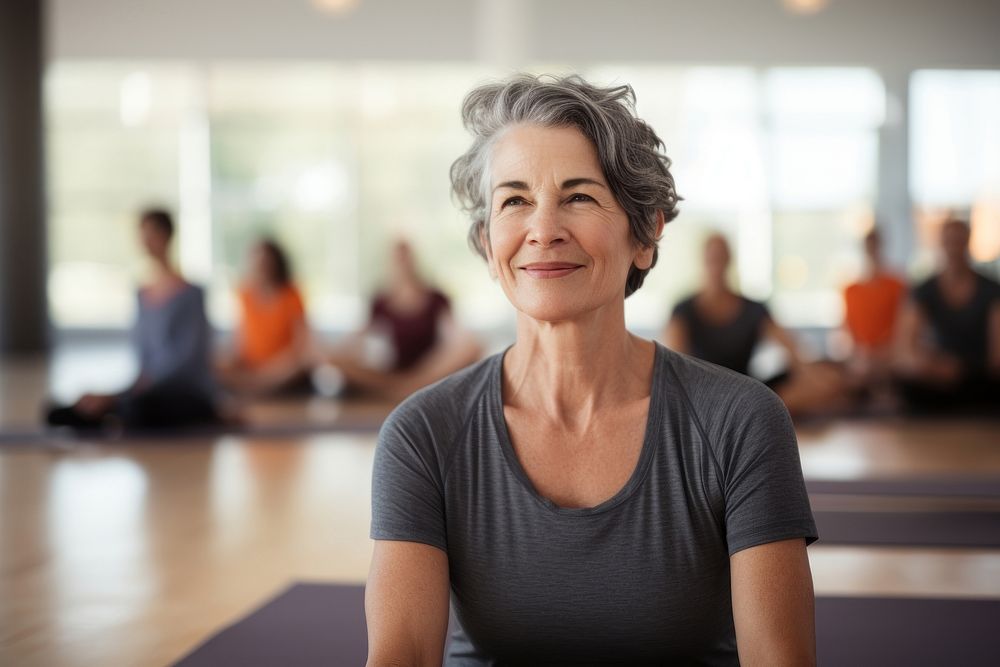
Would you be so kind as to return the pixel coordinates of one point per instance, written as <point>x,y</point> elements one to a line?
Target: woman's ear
<point>644,256</point>
<point>484,241</point>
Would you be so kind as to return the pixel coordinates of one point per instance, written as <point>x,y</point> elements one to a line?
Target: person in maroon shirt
<point>410,341</point>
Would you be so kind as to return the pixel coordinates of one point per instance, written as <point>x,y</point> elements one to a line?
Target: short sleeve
<point>297,308</point>
<point>407,492</point>
<point>765,494</point>
<point>682,310</point>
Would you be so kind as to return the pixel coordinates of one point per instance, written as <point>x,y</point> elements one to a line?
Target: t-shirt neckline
<point>642,466</point>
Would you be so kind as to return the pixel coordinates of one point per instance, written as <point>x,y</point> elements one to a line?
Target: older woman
<point>586,496</point>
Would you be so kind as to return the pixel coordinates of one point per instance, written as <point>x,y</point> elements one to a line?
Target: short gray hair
<point>630,154</point>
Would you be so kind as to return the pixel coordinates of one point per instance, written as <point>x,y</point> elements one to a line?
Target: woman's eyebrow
<point>567,184</point>
<point>573,182</point>
<point>513,185</point>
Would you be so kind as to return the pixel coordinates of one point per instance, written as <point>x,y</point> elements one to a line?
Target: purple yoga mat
<point>324,624</point>
<point>965,487</point>
<point>306,625</point>
<point>932,529</point>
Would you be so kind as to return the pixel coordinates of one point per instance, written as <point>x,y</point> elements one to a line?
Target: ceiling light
<point>805,6</point>
<point>335,6</point>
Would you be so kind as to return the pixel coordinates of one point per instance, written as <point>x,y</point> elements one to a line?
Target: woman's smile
<point>547,270</point>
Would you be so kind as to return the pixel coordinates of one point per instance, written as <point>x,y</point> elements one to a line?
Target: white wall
<point>886,34</point>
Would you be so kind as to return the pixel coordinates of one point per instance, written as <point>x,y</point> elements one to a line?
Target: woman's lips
<point>550,269</point>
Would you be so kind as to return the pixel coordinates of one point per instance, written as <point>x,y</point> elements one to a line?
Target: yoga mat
<point>307,625</point>
<point>914,632</point>
<point>928,486</point>
<point>933,529</point>
<point>323,624</point>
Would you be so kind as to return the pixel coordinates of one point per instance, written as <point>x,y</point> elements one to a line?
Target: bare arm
<point>675,335</point>
<point>994,340</point>
<point>406,605</point>
<point>773,605</point>
<point>913,358</point>
<point>779,334</point>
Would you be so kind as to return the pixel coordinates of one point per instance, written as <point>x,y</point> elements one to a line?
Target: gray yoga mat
<point>932,529</point>
<point>323,624</point>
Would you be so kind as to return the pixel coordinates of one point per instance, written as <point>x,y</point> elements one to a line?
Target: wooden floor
<point>131,553</point>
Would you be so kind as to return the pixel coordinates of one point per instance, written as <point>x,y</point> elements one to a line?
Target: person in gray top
<point>172,338</point>
<point>587,496</point>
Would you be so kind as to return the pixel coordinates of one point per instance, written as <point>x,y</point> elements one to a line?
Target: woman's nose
<point>546,226</point>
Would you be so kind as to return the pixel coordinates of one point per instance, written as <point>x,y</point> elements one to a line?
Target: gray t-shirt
<point>642,578</point>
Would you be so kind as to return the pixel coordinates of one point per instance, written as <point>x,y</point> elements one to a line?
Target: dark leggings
<point>972,396</point>
<point>156,408</point>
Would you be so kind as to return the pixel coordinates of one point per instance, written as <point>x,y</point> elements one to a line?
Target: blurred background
<point>794,126</point>
<point>330,124</point>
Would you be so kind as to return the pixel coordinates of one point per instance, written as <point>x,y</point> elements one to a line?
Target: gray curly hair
<point>629,152</point>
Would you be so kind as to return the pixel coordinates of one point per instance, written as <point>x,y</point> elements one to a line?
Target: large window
<point>336,160</point>
<point>955,157</point>
<point>783,162</point>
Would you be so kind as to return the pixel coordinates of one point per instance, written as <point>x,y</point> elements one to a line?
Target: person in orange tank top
<point>272,350</point>
<point>871,309</point>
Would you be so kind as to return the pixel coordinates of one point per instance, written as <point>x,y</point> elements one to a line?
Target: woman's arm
<point>911,356</point>
<point>773,605</point>
<point>780,335</point>
<point>406,604</point>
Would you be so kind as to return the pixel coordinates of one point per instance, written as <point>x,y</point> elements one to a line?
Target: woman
<point>723,327</point>
<point>586,496</point>
<point>273,343</point>
<point>172,337</point>
<point>871,308</point>
<point>947,355</point>
<point>411,339</point>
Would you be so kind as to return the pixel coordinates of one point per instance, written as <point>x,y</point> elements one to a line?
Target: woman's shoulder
<point>713,393</point>
<point>685,306</point>
<point>437,412</point>
<point>181,294</point>
<point>755,307</point>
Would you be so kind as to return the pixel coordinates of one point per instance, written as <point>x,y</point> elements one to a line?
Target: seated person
<point>723,327</point>
<point>272,351</point>
<point>948,343</point>
<point>587,496</point>
<point>172,335</point>
<point>411,339</point>
<point>871,308</point>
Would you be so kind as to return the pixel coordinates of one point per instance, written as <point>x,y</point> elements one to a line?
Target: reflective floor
<point>131,553</point>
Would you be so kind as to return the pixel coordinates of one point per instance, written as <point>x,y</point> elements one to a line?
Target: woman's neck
<point>571,370</point>
<point>716,289</point>
<point>956,272</point>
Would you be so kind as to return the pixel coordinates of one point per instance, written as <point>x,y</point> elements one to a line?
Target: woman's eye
<point>579,196</point>
<point>513,201</point>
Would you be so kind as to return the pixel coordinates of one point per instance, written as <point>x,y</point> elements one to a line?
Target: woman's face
<point>559,242</point>
<point>153,239</point>
<point>717,258</point>
<point>260,267</point>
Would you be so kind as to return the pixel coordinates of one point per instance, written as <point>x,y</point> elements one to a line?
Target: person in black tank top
<point>723,327</point>
<point>948,356</point>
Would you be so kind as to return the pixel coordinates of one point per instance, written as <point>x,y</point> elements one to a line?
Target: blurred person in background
<point>172,336</point>
<point>723,327</point>
<point>948,345</point>
<point>871,308</point>
<point>273,348</point>
<point>411,340</point>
